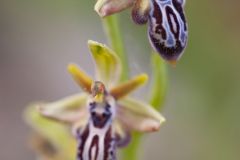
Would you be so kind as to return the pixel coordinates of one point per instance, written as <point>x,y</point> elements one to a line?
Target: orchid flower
<point>167,26</point>
<point>103,108</point>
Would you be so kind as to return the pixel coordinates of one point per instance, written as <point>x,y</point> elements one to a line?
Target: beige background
<point>39,38</point>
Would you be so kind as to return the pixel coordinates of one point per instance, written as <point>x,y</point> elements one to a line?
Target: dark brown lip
<point>100,120</point>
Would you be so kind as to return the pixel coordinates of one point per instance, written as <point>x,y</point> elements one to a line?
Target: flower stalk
<point>159,83</point>
<point>112,30</point>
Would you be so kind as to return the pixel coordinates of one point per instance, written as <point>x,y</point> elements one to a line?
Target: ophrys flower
<point>103,116</point>
<point>167,26</point>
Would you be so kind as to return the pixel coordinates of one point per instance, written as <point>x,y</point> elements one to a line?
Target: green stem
<point>158,92</point>
<point>111,26</point>
<point>159,84</point>
<point>131,151</point>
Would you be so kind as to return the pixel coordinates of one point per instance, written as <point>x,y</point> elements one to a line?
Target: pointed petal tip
<point>158,123</point>
<point>100,12</point>
<point>160,118</point>
<point>92,43</point>
<point>74,70</point>
<point>155,127</point>
<point>143,78</point>
<point>163,120</point>
<point>109,7</point>
<point>126,88</point>
<point>104,8</point>
<point>94,46</point>
<point>40,108</point>
<point>173,63</point>
<point>97,6</point>
<point>71,67</point>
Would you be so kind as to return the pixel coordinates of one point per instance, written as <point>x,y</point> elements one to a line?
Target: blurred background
<point>38,38</point>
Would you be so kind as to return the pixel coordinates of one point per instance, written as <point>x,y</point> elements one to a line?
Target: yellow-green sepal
<point>108,66</point>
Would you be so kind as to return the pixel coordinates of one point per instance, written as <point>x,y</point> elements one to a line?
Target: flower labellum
<point>167,26</point>
<point>97,138</point>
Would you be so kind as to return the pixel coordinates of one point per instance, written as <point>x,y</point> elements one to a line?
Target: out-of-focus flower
<point>51,140</point>
<point>130,114</point>
<point>167,26</point>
